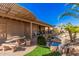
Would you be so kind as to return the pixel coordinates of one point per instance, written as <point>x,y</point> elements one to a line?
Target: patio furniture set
<point>14,43</point>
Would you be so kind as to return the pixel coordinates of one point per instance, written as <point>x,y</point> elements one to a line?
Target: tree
<point>74,13</point>
<point>69,27</point>
<point>71,30</point>
<point>75,31</point>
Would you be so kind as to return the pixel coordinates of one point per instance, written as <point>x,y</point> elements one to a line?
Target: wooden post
<point>31,29</point>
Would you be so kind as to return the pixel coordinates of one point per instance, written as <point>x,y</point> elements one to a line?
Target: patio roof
<point>14,10</point>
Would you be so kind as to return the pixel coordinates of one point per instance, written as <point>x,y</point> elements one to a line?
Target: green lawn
<point>42,51</point>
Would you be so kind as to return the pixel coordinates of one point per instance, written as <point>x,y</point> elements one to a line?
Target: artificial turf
<point>42,51</point>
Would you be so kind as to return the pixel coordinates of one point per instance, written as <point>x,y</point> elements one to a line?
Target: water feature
<point>55,43</point>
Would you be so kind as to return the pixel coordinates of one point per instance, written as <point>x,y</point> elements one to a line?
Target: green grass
<point>42,51</point>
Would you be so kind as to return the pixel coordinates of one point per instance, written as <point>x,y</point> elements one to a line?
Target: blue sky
<point>49,12</point>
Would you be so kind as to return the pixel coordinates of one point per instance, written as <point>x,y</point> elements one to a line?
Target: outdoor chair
<point>13,43</point>
<point>8,46</point>
<point>21,42</point>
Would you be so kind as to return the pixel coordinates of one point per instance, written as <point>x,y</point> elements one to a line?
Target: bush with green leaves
<point>41,40</point>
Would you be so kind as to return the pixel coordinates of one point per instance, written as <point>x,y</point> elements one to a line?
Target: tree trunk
<point>70,35</point>
<point>74,37</point>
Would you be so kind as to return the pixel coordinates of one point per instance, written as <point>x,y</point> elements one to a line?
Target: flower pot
<point>28,42</point>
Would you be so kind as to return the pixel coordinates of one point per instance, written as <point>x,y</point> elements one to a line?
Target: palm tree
<point>75,31</point>
<point>74,13</point>
<point>71,30</point>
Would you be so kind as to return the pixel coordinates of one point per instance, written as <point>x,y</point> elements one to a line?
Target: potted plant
<point>28,40</point>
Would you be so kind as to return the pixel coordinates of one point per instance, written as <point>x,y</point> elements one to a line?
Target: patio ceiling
<point>12,9</point>
<point>15,10</point>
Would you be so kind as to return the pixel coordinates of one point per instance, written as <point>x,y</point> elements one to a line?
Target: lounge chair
<point>13,43</point>
<point>7,46</point>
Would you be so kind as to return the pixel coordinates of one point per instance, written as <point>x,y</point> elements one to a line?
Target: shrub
<point>41,40</point>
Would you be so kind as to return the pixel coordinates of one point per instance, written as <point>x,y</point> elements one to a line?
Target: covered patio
<point>17,21</point>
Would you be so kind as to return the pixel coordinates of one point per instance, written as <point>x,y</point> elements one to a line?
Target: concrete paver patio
<point>19,52</point>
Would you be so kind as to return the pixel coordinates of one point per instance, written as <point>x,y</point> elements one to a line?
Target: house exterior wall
<point>9,28</point>
<point>15,28</point>
<point>17,21</point>
<point>2,30</point>
<point>34,28</point>
<point>27,28</point>
<point>12,27</point>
